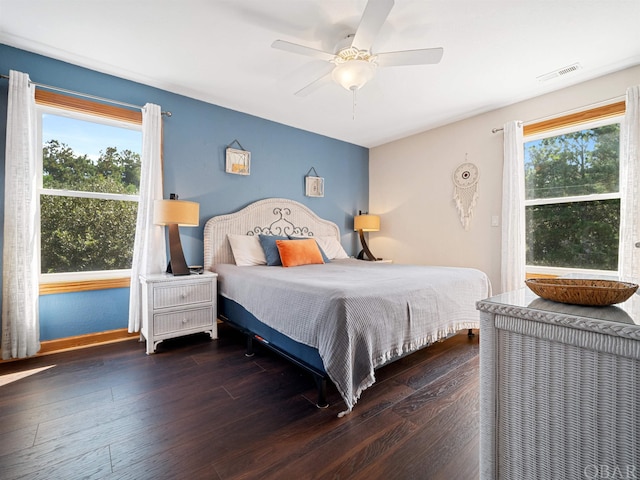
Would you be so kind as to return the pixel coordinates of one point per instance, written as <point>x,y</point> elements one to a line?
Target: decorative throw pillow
<point>299,252</point>
<point>325,258</point>
<point>268,243</point>
<point>331,247</point>
<point>246,250</point>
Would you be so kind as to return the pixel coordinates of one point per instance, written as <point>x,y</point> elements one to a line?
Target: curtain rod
<point>567,112</point>
<point>85,95</point>
<point>496,130</point>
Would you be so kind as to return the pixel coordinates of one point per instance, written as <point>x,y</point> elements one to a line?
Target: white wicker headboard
<point>271,216</point>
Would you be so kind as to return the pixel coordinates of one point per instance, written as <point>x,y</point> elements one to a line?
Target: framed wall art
<point>238,160</point>
<point>313,185</point>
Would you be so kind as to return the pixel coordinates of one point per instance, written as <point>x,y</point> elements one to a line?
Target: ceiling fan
<point>353,64</point>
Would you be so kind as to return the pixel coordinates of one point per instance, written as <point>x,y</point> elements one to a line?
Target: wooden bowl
<point>582,291</point>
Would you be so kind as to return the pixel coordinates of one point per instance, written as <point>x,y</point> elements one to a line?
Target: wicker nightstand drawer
<point>174,295</point>
<point>182,320</point>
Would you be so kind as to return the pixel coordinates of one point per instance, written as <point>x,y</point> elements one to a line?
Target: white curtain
<point>629,255</point>
<point>513,227</point>
<point>149,251</point>
<point>20,325</point>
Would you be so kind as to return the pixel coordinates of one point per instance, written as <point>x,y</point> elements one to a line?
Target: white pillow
<point>331,247</point>
<point>247,250</point>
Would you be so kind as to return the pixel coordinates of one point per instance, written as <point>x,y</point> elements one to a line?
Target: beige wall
<point>410,184</point>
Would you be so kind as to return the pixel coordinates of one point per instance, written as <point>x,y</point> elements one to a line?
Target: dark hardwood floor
<point>199,409</point>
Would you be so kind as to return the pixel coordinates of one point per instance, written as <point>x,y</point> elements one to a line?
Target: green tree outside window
<point>80,234</point>
<point>582,232</point>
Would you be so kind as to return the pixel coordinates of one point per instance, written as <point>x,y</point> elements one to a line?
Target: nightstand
<point>173,306</point>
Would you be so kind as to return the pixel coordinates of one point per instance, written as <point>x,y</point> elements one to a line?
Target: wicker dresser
<point>559,389</point>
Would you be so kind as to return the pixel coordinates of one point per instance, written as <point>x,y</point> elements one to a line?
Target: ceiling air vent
<point>559,73</point>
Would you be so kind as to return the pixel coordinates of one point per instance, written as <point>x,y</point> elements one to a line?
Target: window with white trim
<point>572,197</point>
<point>89,192</point>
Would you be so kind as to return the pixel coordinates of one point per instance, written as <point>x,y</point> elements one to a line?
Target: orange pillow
<point>299,252</point>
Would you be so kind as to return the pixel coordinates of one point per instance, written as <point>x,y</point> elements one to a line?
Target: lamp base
<point>177,264</point>
<point>176,274</point>
<point>365,253</point>
<point>362,256</point>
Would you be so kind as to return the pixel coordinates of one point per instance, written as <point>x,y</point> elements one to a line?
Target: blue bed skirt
<point>301,354</point>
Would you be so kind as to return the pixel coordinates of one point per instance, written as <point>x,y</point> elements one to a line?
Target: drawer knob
<point>185,320</point>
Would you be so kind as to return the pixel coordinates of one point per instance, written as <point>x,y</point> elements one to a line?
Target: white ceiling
<point>220,52</point>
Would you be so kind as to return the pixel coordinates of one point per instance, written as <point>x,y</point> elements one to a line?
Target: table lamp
<point>176,213</point>
<point>366,223</point>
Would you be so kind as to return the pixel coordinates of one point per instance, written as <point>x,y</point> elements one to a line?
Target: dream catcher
<point>465,191</point>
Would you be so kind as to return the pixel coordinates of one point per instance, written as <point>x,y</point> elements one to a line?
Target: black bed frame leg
<point>471,334</point>
<point>321,383</point>
<point>249,352</point>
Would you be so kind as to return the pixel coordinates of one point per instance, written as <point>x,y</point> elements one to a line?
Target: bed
<point>340,318</point>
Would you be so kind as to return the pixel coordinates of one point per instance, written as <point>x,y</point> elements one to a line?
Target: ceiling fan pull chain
<point>353,113</point>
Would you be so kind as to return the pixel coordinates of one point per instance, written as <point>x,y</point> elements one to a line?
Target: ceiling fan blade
<point>302,50</point>
<point>373,17</point>
<point>315,85</point>
<point>425,56</point>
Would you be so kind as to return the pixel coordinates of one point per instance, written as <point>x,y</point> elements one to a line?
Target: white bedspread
<point>359,315</point>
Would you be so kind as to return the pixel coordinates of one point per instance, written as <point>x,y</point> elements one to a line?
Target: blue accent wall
<point>68,314</point>
<point>195,138</point>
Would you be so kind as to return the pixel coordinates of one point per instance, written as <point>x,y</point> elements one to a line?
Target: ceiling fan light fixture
<point>353,74</point>
<point>354,63</point>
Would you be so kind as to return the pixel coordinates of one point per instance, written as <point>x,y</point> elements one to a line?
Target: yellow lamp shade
<point>366,223</point>
<point>180,212</point>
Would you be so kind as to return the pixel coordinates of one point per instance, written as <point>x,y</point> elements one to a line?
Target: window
<point>89,189</point>
<point>572,196</point>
